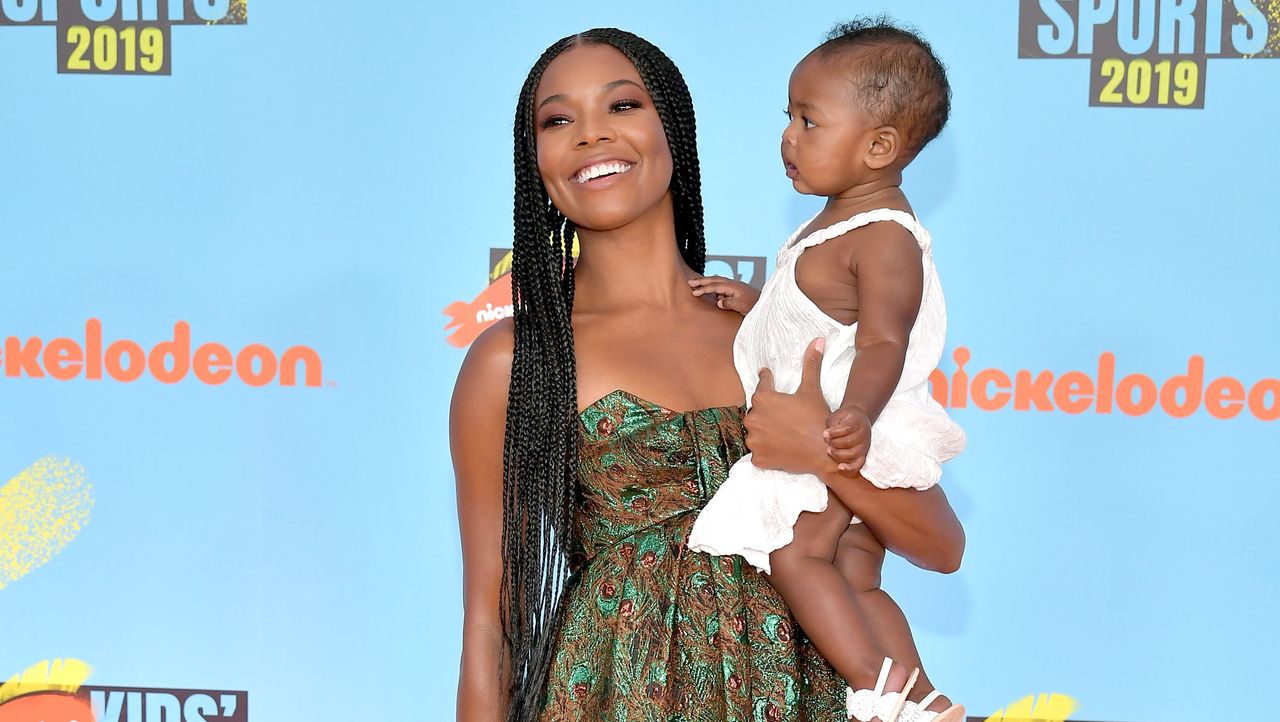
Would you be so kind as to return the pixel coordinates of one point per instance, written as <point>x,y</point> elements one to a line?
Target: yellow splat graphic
<point>1045,708</point>
<point>42,509</point>
<point>503,266</point>
<point>60,675</point>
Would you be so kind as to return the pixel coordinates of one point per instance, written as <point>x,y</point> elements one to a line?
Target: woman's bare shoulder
<point>486,371</point>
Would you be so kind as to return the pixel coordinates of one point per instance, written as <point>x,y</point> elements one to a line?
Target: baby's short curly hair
<point>895,77</point>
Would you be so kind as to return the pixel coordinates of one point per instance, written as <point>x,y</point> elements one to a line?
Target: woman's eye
<point>553,120</point>
<point>621,105</point>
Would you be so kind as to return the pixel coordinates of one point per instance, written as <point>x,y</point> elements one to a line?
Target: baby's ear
<point>884,148</point>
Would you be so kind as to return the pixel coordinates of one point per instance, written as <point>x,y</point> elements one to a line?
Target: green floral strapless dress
<point>652,631</point>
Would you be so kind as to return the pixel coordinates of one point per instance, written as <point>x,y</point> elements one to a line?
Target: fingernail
<point>822,345</point>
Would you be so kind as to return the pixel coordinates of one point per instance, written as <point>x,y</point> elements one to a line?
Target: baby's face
<point>826,145</point>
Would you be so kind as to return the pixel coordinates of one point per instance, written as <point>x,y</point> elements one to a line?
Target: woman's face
<point>602,151</point>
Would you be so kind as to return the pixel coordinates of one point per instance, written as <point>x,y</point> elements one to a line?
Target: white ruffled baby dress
<point>753,512</point>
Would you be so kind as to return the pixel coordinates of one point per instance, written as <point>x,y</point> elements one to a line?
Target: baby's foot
<point>936,708</point>
<point>880,704</point>
<point>899,677</point>
<point>939,704</point>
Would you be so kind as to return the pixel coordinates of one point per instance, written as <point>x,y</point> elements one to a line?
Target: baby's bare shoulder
<point>885,241</point>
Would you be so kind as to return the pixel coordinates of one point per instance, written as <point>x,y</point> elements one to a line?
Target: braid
<point>540,449</point>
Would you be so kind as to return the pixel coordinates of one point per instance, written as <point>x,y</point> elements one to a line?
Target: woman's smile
<point>601,173</point>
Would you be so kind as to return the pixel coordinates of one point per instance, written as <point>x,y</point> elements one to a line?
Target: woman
<point>578,473</point>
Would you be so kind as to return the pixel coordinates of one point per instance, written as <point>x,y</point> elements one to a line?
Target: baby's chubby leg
<point>860,559</point>
<point>823,603</point>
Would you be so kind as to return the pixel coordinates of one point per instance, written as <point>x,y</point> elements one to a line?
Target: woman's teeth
<point>600,169</point>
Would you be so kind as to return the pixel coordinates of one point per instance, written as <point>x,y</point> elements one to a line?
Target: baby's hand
<point>848,438</point>
<point>730,295</point>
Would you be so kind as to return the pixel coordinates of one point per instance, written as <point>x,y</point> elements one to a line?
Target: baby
<point>860,276</point>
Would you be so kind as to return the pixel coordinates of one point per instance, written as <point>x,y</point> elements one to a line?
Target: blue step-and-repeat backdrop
<point>243,249</point>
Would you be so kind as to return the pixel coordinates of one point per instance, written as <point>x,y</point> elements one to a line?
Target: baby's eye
<point>787,113</point>
<point>808,123</point>
<point>622,105</point>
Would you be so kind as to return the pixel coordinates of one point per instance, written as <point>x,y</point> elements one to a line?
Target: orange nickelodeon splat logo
<point>470,319</point>
<point>48,693</point>
<point>64,359</point>
<point>1076,392</point>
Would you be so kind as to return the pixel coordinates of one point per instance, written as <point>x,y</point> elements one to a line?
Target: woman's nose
<point>593,130</point>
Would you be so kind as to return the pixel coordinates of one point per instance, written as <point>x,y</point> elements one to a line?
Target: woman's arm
<point>784,431</point>
<point>477,424</point>
<point>919,526</point>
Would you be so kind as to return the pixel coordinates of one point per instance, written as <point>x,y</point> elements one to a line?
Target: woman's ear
<point>884,147</point>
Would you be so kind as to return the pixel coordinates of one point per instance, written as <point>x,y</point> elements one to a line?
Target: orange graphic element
<point>46,692</point>
<point>169,362</point>
<point>46,707</point>
<point>1076,392</point>
<point>470,319</point>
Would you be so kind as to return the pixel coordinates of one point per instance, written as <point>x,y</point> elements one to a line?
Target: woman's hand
<point>730,295</point>
<point>785,431</point>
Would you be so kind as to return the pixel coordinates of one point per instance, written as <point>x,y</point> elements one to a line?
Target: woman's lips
<point>599,170</point>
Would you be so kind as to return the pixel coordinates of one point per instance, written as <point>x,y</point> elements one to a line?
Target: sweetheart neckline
<point>656,406</point>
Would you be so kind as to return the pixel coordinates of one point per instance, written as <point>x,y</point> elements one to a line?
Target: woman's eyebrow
<point>617,83</point>
<point>606,88</point>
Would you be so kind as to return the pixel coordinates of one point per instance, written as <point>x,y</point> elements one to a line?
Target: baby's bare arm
<point>885,260</point>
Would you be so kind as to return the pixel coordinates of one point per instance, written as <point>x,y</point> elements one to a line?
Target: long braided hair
<point>540,451</point>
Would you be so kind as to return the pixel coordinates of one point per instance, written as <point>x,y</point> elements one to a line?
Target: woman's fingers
<point>811,370</point>
<point>766,381</point>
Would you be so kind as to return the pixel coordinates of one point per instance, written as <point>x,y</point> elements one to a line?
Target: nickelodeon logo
<point>169,362</point>
<point>468,319</point>
<point>1076,392</point>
